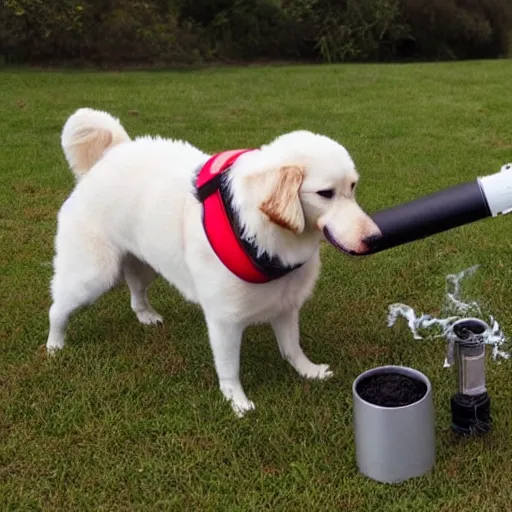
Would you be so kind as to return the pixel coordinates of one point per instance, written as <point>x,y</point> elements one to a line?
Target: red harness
<point>222,228</point>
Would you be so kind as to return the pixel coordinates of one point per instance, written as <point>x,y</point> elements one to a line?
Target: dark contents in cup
<point>391,389</point>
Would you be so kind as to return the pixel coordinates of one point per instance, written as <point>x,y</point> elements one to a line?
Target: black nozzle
<point>428,215</point>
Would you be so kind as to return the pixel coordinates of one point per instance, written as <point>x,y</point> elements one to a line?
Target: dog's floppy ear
<point>282,204</point>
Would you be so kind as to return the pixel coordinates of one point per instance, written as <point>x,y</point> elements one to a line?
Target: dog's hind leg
<point>286,329</point>
<point>85,268</point>
<point>138,277</point>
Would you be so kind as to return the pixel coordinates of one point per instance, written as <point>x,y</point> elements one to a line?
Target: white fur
<point>86,135</point>
<point>133,215</point>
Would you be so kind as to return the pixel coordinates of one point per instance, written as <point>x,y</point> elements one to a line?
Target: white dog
<point>135,213</point>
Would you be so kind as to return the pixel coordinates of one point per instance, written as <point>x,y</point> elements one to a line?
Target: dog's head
<point>303,184</point>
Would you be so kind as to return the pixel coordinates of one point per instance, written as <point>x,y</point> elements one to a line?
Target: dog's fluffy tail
<point>87,134</point>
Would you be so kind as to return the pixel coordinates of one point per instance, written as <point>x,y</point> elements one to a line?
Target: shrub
<point>458,29</point>
<point>174,32</point>
<point>359,29</point>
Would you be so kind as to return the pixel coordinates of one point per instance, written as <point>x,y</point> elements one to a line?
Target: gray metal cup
<point>394,444</point>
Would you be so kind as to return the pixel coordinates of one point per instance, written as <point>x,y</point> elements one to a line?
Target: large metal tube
<point>462,204</point>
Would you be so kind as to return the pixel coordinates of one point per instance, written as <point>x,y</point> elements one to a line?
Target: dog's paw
<point>316,371</point>
<point>53,348</point>
<point>240,408</point>
<point>234,393</point>
<point>149,317</point>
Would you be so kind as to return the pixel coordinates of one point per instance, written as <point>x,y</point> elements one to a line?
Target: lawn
<point>130,417</point>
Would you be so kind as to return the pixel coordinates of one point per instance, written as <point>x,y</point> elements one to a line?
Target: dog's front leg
<point>286,329</point>
<point>226,340</point>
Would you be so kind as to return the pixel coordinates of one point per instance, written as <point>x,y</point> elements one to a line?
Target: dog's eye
<point>353,186</point>
<point>328,194</point>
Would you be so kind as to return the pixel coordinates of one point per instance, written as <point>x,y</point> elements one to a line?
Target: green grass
<point>130,418</point>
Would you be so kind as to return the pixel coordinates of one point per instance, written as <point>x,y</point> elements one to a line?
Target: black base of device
<point>471,414</point>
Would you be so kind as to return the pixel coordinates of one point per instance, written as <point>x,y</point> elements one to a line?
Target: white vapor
<point>458,309</point>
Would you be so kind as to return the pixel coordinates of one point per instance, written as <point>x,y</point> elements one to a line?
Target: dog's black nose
<point>372,241</point>
<point>375,243</point>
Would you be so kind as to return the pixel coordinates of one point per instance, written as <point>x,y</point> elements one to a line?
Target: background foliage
<point>180,32</point>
